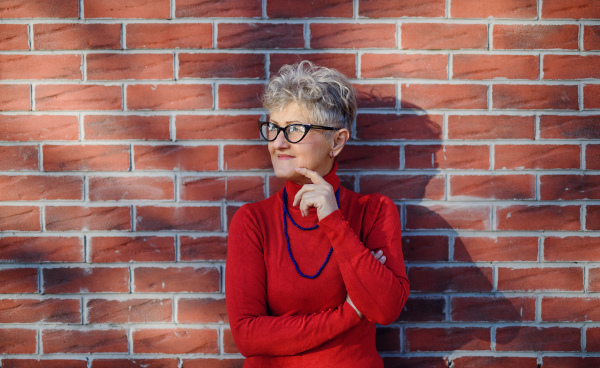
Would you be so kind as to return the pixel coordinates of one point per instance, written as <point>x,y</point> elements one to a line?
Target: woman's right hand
<point>381,258</point>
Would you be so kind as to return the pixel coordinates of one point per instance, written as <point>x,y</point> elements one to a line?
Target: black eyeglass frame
<point>307,128</point>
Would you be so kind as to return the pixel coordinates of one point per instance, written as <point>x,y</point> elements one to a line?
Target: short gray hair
<point>326,93</point>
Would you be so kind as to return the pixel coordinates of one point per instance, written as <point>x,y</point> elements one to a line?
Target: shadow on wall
<point>440,266</point>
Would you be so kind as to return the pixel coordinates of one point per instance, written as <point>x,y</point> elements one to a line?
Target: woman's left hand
<point>319,195</point>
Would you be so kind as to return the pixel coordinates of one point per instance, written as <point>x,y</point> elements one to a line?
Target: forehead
<point>290,113</point>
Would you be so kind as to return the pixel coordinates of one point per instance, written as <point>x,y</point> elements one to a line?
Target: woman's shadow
<point>454,307</point>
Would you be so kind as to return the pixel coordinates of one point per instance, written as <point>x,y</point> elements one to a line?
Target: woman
<point>306,280</point>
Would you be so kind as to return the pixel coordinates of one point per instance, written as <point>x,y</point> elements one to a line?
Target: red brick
<point>594,280</point>
<point>40,310</point>
<point>229,345</point>
<point>15,97</point>
<point>572,248</point>
<point>570,127</point>
<point>205,248</point>
<point>18,280</point>
<point>574,9</point>
<point>202,310</point>
<point>240,96</point>
<point>13,36</point>
<point>525,338</point>
<point>221,65</point>
<point>175,341</point>
<point>557,309</point>
<point>132,249</point>
<point>38,128</point>
<point>401,8</point>
<point>77,97</point>
<point>20,218</point>
<point>372,96</point>
<point>86,157</point>
<point>41,249</point>
<point>542,217</point>
<point>498,249</point>
<point>18,341</point>
<point>275,185</point>
<point>65,218</point>
<point>535,97</point>
<point>540,279</point>
<point>448,217</point>
<point>569,187</point>
<point>19,158</point>
<point>593,339</point>
<point>344,63</point>
<point>540,156</point>
<point>126,127</point>
<point>321,9</point>
<point>130,188</point>
<point>213,363</point>
<point>435,36</point>
<point>246,157</point>
<point>492,186</point>
<point>84,341</point>
<point>398,126</point>
<point>450,279</point>
<point>571,67</point>
<point>494,362</point>
<point>32,188</point>
<point>219,9</point>
<point>129,66</point>
<point>169,36</point>
<point>399,187</point>
<point>45,363</point>
<point>425,248</point>
<point>480,67</point>
<point>173,157</point>
<point>429,309</point>
<point>151,218</point>
<point>366,157</point>
<point>86,280</point>
<point>230,188</point>
<point>137,363</point>
<point>40,9</point>
<point>260,36</point>
<point>444,96</point>
<point>217,127</point>
<point>387,339</point>
<point>492,309</point>
<point>571,362</point>
<point>80,36</point>
<point>183,279</point>
<point>591,37</point>
<point>591,96</point>
<point>511,9</point>
<point>169,97</point>
<point>421,66</point>
<point>350,35</point>
<point>40,66</point>
<point>491,127</point>
<point>129,311</point>
<point>592,219</point>
<point>415,362</point>
<point>516,36</point>
<point>447,339</point>
<point>592,157</point>
<point>146,9</point>
<point>446,157</point>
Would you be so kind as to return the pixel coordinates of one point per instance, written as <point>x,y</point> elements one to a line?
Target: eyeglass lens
<point>293,132</point>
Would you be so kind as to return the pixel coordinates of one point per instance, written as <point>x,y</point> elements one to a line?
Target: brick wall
<point>128,140</point>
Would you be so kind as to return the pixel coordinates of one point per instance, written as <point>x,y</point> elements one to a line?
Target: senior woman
<point>311,269</point>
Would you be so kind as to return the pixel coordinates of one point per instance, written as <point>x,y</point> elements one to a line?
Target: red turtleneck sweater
<point>281,319</point>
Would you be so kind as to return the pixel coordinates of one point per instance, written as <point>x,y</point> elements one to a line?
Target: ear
<point>339,141</point>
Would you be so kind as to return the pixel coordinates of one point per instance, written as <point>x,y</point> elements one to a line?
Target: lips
<point>284,157</point>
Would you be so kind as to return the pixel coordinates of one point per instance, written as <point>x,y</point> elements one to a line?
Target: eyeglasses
<point>293,133</point>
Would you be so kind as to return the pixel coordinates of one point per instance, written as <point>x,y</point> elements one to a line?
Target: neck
<point>293,187</point>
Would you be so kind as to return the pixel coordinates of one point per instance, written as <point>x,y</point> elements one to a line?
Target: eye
<point>294,128</point>
<point>271,127</point>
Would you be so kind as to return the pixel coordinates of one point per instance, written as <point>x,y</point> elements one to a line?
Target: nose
<point>280,142</point>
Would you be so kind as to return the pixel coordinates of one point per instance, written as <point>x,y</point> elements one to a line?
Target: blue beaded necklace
<point>287,238</point>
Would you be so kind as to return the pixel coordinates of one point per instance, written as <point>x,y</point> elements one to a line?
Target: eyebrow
<point>287,122</point>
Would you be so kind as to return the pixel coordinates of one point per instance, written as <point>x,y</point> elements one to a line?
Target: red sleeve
<point>378,291</point>
<point>254,331</point>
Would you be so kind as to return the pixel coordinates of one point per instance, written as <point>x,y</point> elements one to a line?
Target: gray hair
<point>326,93</point>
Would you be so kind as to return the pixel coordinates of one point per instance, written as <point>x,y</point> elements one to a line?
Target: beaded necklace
<point>287,238</point>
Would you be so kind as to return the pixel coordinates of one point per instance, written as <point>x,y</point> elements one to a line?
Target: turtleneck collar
<point>293,188</point>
